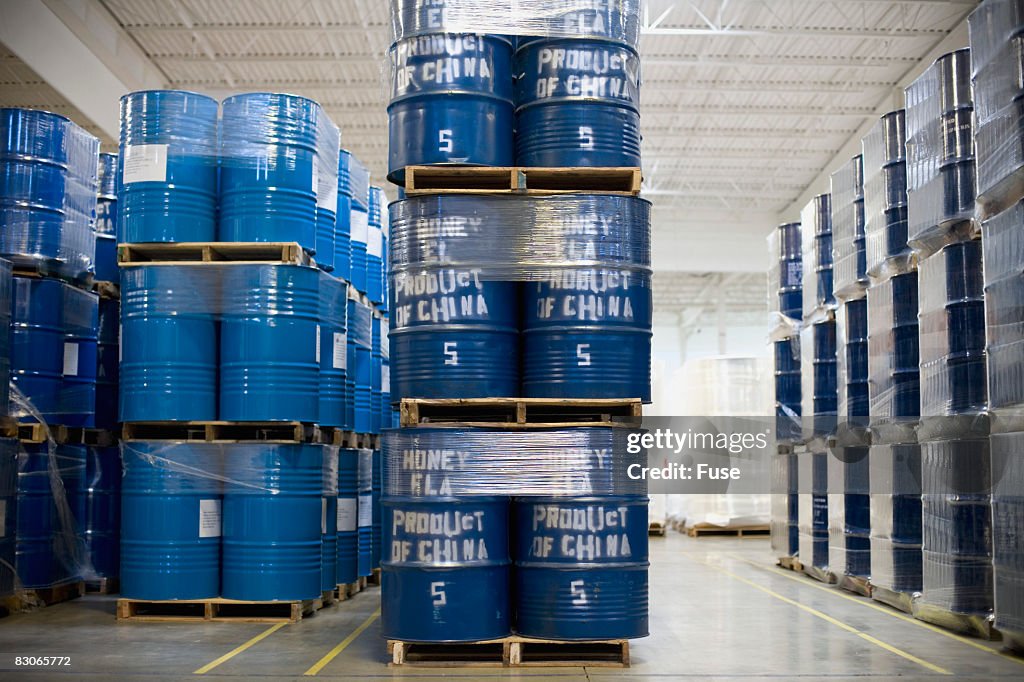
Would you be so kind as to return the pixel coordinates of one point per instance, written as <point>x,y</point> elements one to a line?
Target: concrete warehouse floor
<point>719,610</point>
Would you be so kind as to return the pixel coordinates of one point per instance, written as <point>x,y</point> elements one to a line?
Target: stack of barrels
<point>499,296</point>
<point>48,209</point>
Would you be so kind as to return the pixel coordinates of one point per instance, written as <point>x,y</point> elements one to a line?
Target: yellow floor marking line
<point>319,665</point>
<point>865,601</point>
<point>829,619</point>
<point>234,652</point>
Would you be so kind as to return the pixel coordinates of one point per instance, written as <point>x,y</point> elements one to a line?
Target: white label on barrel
<point>145,163</point>
<point>209,518</point>
<point>323,516</point>
<point>70,359</point>
<point>3,518</point>
<point>385,379</point>
<point>340,351</point>
<point>365,511</point>
<point>375,242</point>
<point>348,515</point>
<point>318,343</point>
<point>360,226</point>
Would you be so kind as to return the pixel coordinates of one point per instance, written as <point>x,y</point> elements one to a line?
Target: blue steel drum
<point>107,362</point>
<point>445,569</point>
<point>361,360</point>
<point>581,567</point>
<point>1007,519</point>
<point>906,346</point>
<point>886,193</point>
<point>365,512</point>
<point>49,549</point>
<point>103,510</point>
<point>9,522</point>
<point>6,303</point>
<point>343,218</point>
<point>329,521</point>
<point>587,334</point>
<point>577,103</point>
<point>376,367</point>
<point>451,101</point>
<point>326,223</point>
<point>269,369</point>
<point>170,521</point>
<point>348,516</point>
<point>106,220</point>
<point>826,396</point>
<point>377,515</point>
<point>268,157</point>
<point>333,352</point>
<point>819,511</point>
<point>454,334</point>
<point>791,272</point>
<point>360,233</point>
<point>792,504</point>
<point>788,389</point>
<point>168,167</point>
<point>273,508</point>
<point>168,347</point>
<point>375,246</point>
<point>37,345</point>
<point>856,358</point>
<point>77,405</point>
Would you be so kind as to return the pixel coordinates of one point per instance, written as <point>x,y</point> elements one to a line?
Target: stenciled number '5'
<point>438,593</point>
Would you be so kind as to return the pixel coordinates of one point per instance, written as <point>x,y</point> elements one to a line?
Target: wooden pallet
<point>350,439</point>
<point>43,596</point>
<point>513,651</point>
<point>184,253</point>
<point>978,625</point>
<point>790,563</point>
<point>223,431</point>
<point>43,269</point>
<point>903,601</point>
<point>223,610</point>
<point>703,530</point>
<point>109,290</point>
<point>450,179</point>
<point>329,598</point>
<point>657,529</point>
<point>9,427</point>
<point>521,412</point>
<point>345,591</point>
<point>374,577</point>
<point>35,432</point>
<point>103,586</point>
<point>853,583</point>
<point>819,574</point>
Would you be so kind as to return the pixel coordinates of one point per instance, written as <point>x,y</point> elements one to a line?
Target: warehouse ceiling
<point>747,104</point>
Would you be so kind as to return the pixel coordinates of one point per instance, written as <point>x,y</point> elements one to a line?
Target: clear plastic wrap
<point>956,484</point>
<point>1007,452</point>
<point>998,77</point>
<point>617,20</point>
<point>895,485</point>
<point>788,389</point>
<point>48,192</point>
<point>852,362</point>
<point>813,509</point>
<point>819,389</point>
<point>848,242</point>
<point>885,197</point>
<point>940,154</point>
<point>849,511</point>
<point>952,331</point>
<point>894,358</point>
<point>785,505</point>
<point>512,238</point>
<point>6,300</point>
<point>1003,246</point>
<point>785,281</point>
<point>428,461</point>
<point>816,236</point>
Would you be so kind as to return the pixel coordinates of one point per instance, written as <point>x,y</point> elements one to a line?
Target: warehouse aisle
<point>720,612</point>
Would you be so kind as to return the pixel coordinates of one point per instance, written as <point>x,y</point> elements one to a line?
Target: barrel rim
<point>39,111</point>
<point>450,92</point>
<point>535,40</point>
<point>414,36</point>
<point>272,93</point>
<point>571,499</point>
<point>157,91</point>
<point>444,499</point>
<point>618,104</point>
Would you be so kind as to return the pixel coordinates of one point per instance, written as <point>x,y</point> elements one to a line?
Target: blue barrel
<point>885,192</point>
<point>360,230</point>
<point>375,246</point>
<point>788,406</point>
<point>81,337</point>
<point>377,515</point>
<point>37,346</point>
<point>170,521</point>
<point>581,567</point>
<point>855,359</point>
<point>451,101</point>
<point>348,516</point>
<point>361,359</point>
<point>365,512</point>
<point>791,273</point>
<point>106,220</point>
<point>103,510</point>
<point>455,335</point>
<point>6,305</point>
<point>445,569</point>
<point>1007,519</point>
<point>826,395</point>
<point>343,218</point>
<point>9,503</point>
<point>329,521</point>
<point>577,103</point>
<point>328,139</point>
<point>268,156</point>
<point>333,352</point>
<point>386,410</point>
<point>896,516</point>
<point>376,367</point>
<point>269,367</point>
<point>587,334</point>
<point>816,232</point>
<point>168,346</point>
<point>108,362</point>
<point>49,549</point>
<point>850,264</point>
<point>906,346</point>
<point>819,510</point>
<point>273,508</point>
<point>952,318</point>
<point>168,167</point>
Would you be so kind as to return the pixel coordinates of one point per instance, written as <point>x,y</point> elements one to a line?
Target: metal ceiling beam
<point>789,32</point>
<point>872,62</point>
<point>347,29</point>
<point>757,110</point>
